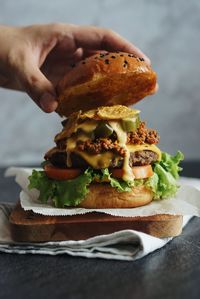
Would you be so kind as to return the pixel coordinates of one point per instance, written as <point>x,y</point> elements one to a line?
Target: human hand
<point>34,58</point>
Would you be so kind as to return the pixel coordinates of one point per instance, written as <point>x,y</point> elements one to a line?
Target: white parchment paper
<point>186,202</point>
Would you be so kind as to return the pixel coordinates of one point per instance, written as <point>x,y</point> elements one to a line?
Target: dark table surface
<point>171,272</point>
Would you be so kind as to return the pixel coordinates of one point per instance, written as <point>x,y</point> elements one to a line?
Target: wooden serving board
<point>27,226</point>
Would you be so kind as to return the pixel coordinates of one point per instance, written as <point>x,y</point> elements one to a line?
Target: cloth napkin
<point>126,245</point>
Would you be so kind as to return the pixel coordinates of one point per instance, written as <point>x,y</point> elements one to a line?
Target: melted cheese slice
<point>97,161</point>
<point>88,126</point>
<point>122,139</point>
<point>71,145</point>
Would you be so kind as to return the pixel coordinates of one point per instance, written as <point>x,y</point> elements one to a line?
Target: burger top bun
<point>105,79</point>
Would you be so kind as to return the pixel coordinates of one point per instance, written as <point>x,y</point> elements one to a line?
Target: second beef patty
<point>140,158</point>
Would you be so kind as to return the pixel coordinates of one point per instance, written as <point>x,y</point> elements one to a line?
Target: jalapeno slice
<point>103,130</point>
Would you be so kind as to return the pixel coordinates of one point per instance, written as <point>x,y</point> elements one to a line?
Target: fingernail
<point>48,102</point>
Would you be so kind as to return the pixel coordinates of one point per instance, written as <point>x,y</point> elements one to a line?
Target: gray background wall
<point>167,30</point>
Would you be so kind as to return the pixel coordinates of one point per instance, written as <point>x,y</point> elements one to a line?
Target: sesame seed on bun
<point>105,79</point>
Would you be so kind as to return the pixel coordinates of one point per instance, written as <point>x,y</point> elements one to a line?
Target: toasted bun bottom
<point>102,196</point>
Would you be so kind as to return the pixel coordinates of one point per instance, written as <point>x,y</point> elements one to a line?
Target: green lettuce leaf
<point>72,192</point>
<point>120,185</point>
<point>152,183</point>
<point>171,163</point>
<point>62,193</point>
<point>166,172</point>
<point>41,182</point>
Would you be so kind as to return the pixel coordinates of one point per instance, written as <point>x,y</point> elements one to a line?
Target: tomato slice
<point>61,173</point>
<point>140,172</point>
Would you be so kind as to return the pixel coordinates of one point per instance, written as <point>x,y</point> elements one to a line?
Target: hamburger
<point>106,156</point>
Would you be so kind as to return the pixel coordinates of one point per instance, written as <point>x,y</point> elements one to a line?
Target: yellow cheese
<point>97,161</point>
<point>88,126</point>
<point>122,139</point>
<point>71,145</point>
<point>121,134</point>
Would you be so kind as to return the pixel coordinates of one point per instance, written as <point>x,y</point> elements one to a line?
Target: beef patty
<point>139,158</point>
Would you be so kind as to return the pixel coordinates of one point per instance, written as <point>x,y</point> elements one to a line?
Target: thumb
<point>38,87</point>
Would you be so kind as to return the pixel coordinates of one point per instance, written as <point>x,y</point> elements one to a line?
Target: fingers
<point>37,86</point>
<point>104,39</point>
<point>71,37</point>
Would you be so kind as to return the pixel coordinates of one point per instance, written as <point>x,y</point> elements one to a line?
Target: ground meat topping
<point>143,135</point>
<point>101,145</point>
<point>140,136</point>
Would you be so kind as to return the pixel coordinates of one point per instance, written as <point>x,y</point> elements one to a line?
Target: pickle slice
<point>110,113</point>
<point>91,114</point>
<point>130,124</point>
<point>103,130</point>
<point>116,112</point>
